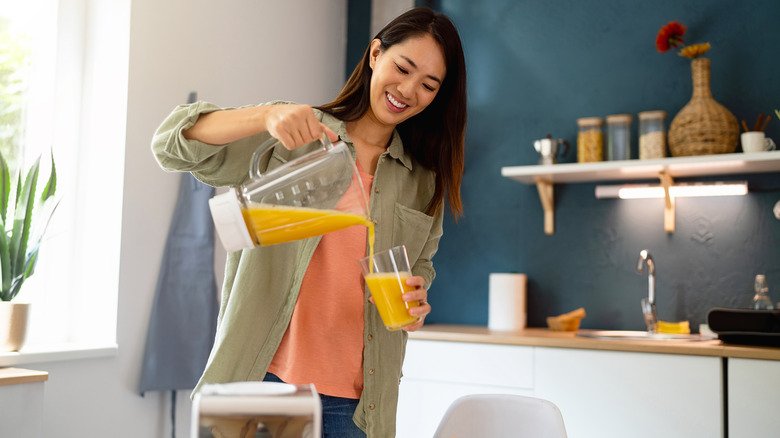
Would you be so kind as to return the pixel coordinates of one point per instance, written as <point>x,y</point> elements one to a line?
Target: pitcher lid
<point>229,222</point>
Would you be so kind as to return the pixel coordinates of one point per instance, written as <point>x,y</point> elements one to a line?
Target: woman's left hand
<point>419,294</point>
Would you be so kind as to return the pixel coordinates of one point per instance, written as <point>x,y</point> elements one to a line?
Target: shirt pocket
<point>411,228</point>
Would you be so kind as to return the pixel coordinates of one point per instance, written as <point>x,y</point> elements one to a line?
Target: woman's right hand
<point>295,125</point>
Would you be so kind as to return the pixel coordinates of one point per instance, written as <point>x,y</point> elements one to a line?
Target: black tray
<point>746,326</point>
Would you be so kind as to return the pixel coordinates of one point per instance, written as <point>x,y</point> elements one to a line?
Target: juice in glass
<point>387,288</point>
<point>385,274</point>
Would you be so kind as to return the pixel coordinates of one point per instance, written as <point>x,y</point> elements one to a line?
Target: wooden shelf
<point>15,376</point>
<point>636,170</point>
<point>665,169</point>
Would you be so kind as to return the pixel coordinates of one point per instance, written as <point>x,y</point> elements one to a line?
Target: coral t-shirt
<point>323,344</point>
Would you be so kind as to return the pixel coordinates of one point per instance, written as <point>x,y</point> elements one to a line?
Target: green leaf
<point>18,189</point>
<point>19,243</point>
<point>5,265</point>
<point>5,187</point>
<point>29,266</point>
<point>51,185</point>
<point>23,213</point>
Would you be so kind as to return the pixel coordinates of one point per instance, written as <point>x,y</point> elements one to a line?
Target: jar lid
<point>619,118</point>
<point>589,121</point>
<point>229,222</point>
<point>656,114</point>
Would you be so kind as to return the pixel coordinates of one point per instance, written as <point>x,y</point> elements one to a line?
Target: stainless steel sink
<point>640,335</point>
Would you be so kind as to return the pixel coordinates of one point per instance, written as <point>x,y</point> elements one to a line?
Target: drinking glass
<point>385,274</point>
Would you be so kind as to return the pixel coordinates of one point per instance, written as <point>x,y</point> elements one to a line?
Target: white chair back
<point>501,415</point>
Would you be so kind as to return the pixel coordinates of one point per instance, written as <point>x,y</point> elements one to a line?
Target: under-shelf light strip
<point>683,190</point>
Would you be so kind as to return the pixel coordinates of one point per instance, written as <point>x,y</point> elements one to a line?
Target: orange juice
<point>276,224</point>
<point>387,288</point>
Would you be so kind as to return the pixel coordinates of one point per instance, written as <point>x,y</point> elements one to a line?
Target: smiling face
<point>406,78</point>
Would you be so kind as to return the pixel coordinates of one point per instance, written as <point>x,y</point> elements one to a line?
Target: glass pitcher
<point>311,195</point>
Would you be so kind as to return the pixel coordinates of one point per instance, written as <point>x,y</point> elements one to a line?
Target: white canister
<point>506,308</point>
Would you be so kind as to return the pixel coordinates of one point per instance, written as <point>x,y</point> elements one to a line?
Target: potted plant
<point>24,217</point>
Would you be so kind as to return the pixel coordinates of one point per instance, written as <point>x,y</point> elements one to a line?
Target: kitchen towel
<point>506,310</point>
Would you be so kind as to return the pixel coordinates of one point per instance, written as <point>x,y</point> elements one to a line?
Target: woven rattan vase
<point>703,126</point>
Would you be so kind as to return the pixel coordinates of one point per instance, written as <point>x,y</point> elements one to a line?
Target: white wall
<point>232,52</point>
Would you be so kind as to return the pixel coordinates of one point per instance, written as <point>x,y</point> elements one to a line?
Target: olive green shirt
<point>261,285</point>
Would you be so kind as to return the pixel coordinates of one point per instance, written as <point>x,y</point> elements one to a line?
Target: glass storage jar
<point>590,140</point>
<point>652,135</point>
<point>619,137</point>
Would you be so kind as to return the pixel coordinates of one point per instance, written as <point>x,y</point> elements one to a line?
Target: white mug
<point>756,141</point>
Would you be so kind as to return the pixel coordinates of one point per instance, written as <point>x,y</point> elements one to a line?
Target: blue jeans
<point>336,414</point>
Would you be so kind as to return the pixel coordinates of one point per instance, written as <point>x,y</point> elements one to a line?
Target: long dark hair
<point>435,137</point>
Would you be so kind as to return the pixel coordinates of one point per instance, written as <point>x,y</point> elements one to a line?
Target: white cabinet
<point>600,393</point>
<point>754,398</point>
<point>21,402</point>
<point>620,394</point>
<point>436,373</point>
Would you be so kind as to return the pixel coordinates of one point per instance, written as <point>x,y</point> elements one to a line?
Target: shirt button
<point>371,371</point>
<point>370,336</point>
<point>376,189</point>
<point>371,406</point>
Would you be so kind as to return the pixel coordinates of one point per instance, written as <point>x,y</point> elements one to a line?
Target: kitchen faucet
<point>648,304</point>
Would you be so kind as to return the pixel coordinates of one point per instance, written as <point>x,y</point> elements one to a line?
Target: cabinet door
<point>754,398</point>
<point>618,394</point>
<point>21,410</point>
<point>437,372</point>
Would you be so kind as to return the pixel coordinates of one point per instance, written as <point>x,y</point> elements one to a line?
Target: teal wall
<point>535,67</point>
<point>358,32</point>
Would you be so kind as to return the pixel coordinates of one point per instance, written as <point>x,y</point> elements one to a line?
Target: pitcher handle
<point>268,146</point>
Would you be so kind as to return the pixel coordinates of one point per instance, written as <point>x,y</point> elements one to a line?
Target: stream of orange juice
<point>276,224</point>
<point>385,288</point>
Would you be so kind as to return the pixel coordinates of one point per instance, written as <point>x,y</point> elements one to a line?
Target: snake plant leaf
<point>5,187</point>
<point>23,213</point>
<point>16,284</point>
<point>43,218</point>
<point>25,218</point>
<point>5,265</point>
<point>8,249</point>
<point>18,187</point>
<point>51,185</point>
<point>5,255</point>
<point>32,260</point>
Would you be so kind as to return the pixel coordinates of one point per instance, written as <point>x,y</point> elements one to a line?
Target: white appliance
<point>256,409</point>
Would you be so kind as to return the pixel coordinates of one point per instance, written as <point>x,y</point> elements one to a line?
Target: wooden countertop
<point>541,337</point>
<point>15,376</point>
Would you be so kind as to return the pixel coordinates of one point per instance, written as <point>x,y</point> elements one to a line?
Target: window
<point>27,44</point>
<point>64,91</point>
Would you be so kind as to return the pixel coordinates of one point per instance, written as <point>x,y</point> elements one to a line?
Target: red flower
<point>669,36</point>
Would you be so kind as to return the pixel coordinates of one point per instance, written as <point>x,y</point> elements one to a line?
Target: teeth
<point>395,103</point>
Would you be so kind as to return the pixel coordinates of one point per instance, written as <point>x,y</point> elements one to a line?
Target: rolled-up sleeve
<point>216,165</point>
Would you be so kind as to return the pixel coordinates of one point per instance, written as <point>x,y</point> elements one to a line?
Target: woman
<point>299,312</point>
